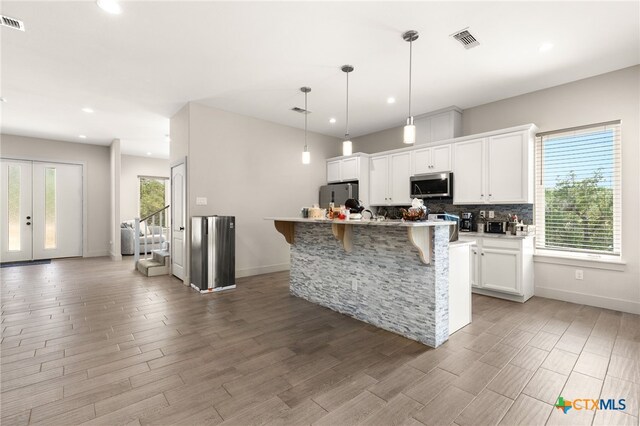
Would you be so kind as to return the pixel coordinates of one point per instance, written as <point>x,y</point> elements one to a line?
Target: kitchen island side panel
<point>395,290</point>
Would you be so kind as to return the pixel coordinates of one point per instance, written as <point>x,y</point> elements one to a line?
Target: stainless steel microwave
<point>435,185</point>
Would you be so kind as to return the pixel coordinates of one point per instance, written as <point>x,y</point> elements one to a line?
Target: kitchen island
<point>391,274</point>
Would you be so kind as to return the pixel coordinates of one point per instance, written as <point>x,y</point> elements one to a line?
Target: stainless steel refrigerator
<point>337,193</point>
<point>213,253</point>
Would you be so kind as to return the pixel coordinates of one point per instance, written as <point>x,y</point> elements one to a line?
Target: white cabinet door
<point>475,253</point>
<point>422,161</point>
<point>333,171</point>
<point>501,270</point>
<point>399,176</point>
<point>468,173</point>
<point>441,158</point>
<point>349,169</point>
<point>507,170</point>
<point>378,180</point>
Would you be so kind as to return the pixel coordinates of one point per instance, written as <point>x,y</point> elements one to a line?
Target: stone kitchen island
<point>391,274</point>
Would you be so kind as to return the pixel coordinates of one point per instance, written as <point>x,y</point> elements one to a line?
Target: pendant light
<point>347,146</point>
<point>306,155</point>
<point>410,128</point>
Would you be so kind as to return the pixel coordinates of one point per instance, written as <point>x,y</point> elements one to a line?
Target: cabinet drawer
<point>501,243</point>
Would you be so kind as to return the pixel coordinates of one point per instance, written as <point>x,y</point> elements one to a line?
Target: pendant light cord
<point>306,112</point>
<point>346,135</point>
<point>410,64</point>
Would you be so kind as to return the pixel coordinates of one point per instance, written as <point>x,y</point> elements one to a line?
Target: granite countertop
<point>490,235</point>
<point>398,223</point>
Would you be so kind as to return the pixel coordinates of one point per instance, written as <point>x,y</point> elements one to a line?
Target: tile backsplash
<point>524,211</point>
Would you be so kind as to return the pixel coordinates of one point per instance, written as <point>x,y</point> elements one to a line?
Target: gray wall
<point>131,168</point>
<point>610,96</point>
<point>97,178</point>
<point>250,169</point>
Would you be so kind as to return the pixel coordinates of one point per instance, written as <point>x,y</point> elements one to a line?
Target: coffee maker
<point>466,222</point>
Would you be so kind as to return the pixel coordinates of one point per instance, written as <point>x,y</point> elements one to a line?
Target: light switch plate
<point>491,214</point>
<point>201,201</point>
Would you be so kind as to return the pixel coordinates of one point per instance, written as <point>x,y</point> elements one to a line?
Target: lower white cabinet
<point>459,286</point>
<point>502,267</point>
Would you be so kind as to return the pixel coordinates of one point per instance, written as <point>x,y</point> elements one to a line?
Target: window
<point>578,190</point>
<point>153,196</point>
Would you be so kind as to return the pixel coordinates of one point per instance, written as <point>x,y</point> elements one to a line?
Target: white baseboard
<point>262,270</point>
<point>589,299</point>
<point>97,253</point>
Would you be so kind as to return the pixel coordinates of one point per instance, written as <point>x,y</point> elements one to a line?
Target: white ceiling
<point>138,68</point>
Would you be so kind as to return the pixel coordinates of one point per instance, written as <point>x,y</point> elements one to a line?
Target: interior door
<point>15,217</point>
<point>178,219</point>
<point>57,206</point>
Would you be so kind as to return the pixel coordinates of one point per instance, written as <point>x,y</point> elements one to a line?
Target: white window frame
<point>544,254</point>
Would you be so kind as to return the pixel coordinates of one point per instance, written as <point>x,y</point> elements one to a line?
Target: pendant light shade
<point>306,155</point>
<point>409,134</point>
<point>347,146</point>
<point>410,129</point>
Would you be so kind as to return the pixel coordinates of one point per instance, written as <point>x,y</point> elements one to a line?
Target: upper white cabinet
<point>438,125</point>
<point>496,169</point>
<point>389,179</point>
<point>344,169</point>
<point>432,160</point>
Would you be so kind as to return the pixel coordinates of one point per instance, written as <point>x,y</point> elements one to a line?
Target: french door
<point>41,216</point>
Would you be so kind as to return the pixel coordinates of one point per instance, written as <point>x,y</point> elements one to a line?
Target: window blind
<point>578,202</point>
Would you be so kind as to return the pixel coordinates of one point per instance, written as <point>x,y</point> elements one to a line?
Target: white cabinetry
<point>432,160</point>
<point>496,169</point>
<point>343,170</point>
<point>502,267</point>
<point>349,169</point>
<point>438,125</point>
<point>468,172</point>
<point>389,179</point>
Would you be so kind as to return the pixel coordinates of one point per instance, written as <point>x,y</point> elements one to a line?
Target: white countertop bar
<point>397,223</point>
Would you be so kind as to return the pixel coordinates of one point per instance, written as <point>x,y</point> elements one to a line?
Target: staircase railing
<point>150,223</point>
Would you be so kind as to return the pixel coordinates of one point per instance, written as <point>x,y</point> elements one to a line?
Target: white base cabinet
<point>502,267</point>
<point>459,286</point>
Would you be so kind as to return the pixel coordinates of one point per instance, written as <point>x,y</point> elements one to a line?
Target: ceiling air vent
<point>465,38</point>
<point>300,110</point>
<point>16,24</point>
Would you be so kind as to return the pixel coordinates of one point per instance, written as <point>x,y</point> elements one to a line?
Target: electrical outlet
<point>491,214</point>
<point>354,284</point>
<point>579,274</point>
<point>482,214</point>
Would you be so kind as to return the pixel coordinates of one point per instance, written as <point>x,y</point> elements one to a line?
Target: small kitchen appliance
<point>466,222</point>
<point>495,227</point>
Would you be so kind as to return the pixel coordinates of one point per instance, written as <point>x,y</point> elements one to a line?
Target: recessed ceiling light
<point>545,47</point>
<point>87,110</point>
<point>391,100</point>
<point>82,136</point>
<point>332,120</point>
<point>148,153</point>
<point>110,6</point>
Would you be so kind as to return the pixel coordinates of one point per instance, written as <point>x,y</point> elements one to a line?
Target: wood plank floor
<point>91,341</point>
